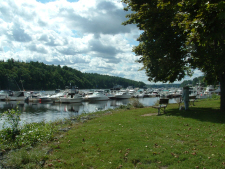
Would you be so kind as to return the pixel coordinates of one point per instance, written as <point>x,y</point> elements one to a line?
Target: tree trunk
<point>222,92</point>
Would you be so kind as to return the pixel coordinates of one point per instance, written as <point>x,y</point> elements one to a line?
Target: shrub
<point>135,103</point>
<point>11,125</point>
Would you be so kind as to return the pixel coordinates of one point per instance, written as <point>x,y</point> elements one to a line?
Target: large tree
<point>180,36</point>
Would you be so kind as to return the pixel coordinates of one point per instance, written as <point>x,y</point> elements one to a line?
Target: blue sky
<point>86,35</point>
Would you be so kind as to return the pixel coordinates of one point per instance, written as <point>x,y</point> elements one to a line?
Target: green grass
<point>125,139</point>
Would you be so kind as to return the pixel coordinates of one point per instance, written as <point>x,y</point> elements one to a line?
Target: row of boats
<point>72,96</point>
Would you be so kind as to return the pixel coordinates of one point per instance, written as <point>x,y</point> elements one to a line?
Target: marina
<point>59,104</point>
<point>49,111</point>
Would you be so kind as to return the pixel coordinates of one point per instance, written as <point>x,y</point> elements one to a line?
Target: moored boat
<point>98,96</point>
<point>46,98</point>
<point>69,98</point>
<point>123,94</point>
<point>17,96</point>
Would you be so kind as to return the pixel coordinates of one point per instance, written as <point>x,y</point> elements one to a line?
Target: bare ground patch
<point>150,114</point>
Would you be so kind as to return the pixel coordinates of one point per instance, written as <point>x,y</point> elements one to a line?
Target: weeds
<point>11,126</point>
<point>136,103</point>
<point>14,136</point>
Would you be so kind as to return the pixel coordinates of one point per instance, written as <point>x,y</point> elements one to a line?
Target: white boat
<point>209,90</point>
<point>154,94</point>
<point>58,95</point>
<point>33,96</point>
<point>140,94</point>
<point>123,94</point>
<point>4,94</point>
<point>193,91</point>
<point>98,96</point>
<point>88,94</point>
<point>69,95</point>
<point>70,98</point>
<point>17,96</point>
<point>46,98</point>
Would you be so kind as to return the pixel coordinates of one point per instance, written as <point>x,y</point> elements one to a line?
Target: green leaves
<point>176,29</point>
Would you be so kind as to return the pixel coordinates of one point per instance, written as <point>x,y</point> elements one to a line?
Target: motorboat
<point>132,92</point>
<point>123,94</point>
<point>139,94</point>
<point>110,96</point>
<point>85,97</point>
<point>154,94</point>
<point>98,96</point>
<point>4,94</point>
<point>58,95</point>
<point>69,98</point>
<point>17,96</point>
<point>193,91</point>
<point>209,90</point>
<point>69,95</point>
<point>45,98</point>
<point>33,96</point>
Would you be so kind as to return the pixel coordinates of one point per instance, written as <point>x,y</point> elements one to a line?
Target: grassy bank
<point>133,138</point>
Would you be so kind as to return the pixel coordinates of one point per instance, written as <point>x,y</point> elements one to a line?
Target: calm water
<point>37,112</point>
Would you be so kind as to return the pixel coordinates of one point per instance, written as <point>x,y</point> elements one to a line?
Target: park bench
<point>192,100</point>
<point>162,105</point>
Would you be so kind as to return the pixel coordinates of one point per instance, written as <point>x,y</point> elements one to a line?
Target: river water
<point>37,112</point>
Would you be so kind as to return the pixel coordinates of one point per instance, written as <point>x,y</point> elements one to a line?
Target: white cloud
<point>85,35</point>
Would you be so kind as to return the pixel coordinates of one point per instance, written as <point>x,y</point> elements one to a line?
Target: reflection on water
<point>37,112</point>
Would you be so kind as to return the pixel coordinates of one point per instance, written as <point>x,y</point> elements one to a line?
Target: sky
<point>86,35</point>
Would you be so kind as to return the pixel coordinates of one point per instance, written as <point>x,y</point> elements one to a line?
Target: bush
<point>11,125</point>
<point>135,103</point>
<point>13,136</point>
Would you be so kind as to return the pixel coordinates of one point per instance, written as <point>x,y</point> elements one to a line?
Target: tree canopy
<point>179,36</point>
<point>17,75</point>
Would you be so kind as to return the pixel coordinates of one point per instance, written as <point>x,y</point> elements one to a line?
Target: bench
<point>192,100</point>
<point>162,105</point>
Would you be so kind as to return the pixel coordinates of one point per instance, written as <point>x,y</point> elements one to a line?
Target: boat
<point>17,96</point>
<point>33,96</point>
<point>69,95</point>
<point>192,91</point>
<point>123,94</point>
<point>58,95</point>
<point>209,90</point>
<point>98,96</point>
<point>70,98</point>
<point>86,95</point>
<point>45,98</point>
<point>154,94</point>
<point>4,94</point>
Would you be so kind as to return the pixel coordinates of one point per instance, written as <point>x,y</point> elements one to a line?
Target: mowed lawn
<point>137,138</point>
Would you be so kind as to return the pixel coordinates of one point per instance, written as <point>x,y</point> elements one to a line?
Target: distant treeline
<point>16,75</point>
<point>162,85</point>
<point>196,81</point>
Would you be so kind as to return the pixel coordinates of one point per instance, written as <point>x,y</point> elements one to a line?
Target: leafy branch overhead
<point>180,36</point>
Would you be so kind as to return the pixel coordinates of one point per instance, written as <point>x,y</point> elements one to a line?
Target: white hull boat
<point>18,96</point>
<point>77,98</point>
<point>46,98</point>
<point>122,95</point>
<point>98,96</point>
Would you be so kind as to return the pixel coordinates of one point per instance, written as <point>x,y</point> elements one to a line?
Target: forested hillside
<point>17,75</point>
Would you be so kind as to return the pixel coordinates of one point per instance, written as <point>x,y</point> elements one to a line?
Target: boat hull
<point>69,100</point>
<point>15,98</point>
<point>98,98</point>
